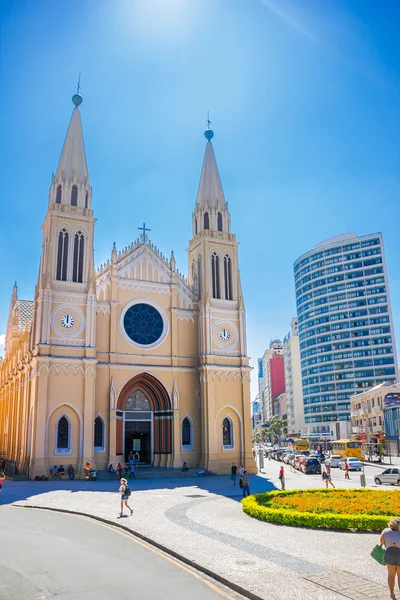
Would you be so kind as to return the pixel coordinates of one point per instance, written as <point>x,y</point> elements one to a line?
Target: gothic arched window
<point>86,200</point>
<point>77,269</point>
<point>228,277</point>
<point>98,433</point>
<point>219,222</point>
<point>59,194</point>
<point>187,434</point>
<point>206,221</point>
<point>227,433</point>
<point>62,255</point>
<point>195,225</point>
<point>199,275</point>
<point>215,275</point>
<point>63,431</point>
<point>74,196</point>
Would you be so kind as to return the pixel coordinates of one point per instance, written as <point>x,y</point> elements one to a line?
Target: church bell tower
<point>223,365</point>
<point>63,334</point>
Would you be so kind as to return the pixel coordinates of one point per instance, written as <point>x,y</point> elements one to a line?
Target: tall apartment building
<point>293,385</point>
<point>345,328</point>
<point>273,378</point>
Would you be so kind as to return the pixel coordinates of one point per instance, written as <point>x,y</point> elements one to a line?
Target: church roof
<point>210,194</point>
<point>25,313</point>
<point>72,165</point>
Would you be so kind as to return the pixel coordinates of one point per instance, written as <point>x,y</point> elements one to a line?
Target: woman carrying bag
<point>390,538</point>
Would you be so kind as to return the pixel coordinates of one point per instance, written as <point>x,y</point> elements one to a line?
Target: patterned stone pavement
<point>350,585</point>
<point>202,520</point>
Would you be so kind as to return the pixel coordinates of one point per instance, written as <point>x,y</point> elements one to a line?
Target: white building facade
<point>345,328</point>
<point>293,385</point>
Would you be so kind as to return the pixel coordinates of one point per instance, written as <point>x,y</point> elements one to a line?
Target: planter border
<point>255,506</point>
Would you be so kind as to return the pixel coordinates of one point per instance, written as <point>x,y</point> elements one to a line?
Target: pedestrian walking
<point>71,472</point>
<point>125,495</point>
<point>390,538</point>
<point>132,472</point>
<point>233,473</point>
<point>110,470</point>
<point>327,476</point>
<point>245,484</point>
<point>131,459</point>
<point>119,469</point>
<point>282,477</point>
<point>137,458</point>
<point>241,470</point>
<point>346,470</point>
<point>2,478</point>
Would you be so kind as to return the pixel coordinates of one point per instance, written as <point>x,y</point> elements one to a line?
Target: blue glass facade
<point>345,328</point>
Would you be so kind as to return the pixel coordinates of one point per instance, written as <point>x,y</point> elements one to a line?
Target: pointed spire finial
<point>77,98</point>
<point>208,134</point>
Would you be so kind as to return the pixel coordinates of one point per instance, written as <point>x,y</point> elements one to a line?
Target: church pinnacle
<point>70,184</point>
<point>211,209</point>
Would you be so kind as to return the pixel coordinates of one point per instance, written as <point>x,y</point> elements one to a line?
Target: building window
<point>98,434</point>
<point>86,200</point>
<point>215,275</point>
<point>219,222</point>
<point>206,221</point>
<point>195,226</point>
<point>199,274</point>
<point>228,277</point>
<point>63,436</point>
<point>59,194</point>
<point>187,434</point>
<point>227,433</point>
<point>62,255</point>
<point>77,271</point>
<point>74,196</point>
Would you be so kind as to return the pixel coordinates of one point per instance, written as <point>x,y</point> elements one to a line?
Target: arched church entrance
<point>144,422</point>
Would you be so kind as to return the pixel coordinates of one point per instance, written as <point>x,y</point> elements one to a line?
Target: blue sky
<point>304,102</point>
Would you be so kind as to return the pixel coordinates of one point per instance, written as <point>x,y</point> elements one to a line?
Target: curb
<point>187,561</point>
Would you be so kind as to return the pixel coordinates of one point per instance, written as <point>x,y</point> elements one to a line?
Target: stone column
<point>88,416</point>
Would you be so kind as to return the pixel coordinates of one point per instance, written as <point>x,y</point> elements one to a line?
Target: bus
<point>347,448</point>
<point>300,445</point>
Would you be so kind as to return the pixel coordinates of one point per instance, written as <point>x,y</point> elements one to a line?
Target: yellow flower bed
<point>356,509</point>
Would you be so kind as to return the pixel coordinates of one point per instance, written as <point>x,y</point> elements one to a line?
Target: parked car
<point>292,459</point>
<point>311,465</point>
<point>388,476</point>
<point>354,463</point>
<point>287,457</point>
<point>299,461</point>
<point>334,460</point>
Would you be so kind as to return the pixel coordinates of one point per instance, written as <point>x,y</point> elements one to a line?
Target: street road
<point>47,555</point>
<point>297,480</point>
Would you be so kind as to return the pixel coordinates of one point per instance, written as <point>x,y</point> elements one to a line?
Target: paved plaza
<point>202,520</point>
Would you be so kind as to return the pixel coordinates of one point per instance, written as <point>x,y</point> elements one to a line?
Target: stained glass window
<point>227,433</point>
<point>186,432</point>
<point>98,432</point>
<point>143,324</point>
<point>63,433</point>
<point>137,401</point>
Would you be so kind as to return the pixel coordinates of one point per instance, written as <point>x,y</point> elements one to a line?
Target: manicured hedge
<point>258,506</point>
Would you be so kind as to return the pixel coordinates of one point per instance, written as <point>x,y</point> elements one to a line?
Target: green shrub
<point>257,506</point>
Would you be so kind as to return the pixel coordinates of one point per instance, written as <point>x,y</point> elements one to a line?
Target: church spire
<point>211,209</point>
<point>70,184</point>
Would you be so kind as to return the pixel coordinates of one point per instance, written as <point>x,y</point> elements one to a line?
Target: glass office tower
<point>345,328</point>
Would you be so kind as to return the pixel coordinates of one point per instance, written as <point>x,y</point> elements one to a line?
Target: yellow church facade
<point>132,356</point>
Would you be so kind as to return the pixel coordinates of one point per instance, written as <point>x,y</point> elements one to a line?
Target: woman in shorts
<point>124,497</point>
<point>390,538</point>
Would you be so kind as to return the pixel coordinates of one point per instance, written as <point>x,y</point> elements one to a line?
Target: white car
<point>334,460</point>
<point>354,463</point>
<point>389,476</point>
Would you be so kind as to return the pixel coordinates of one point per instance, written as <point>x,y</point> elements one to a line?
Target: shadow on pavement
<point>15,491</point>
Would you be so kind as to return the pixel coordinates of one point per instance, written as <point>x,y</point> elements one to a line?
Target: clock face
<point>224,334</point>
<point>67,321</point>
